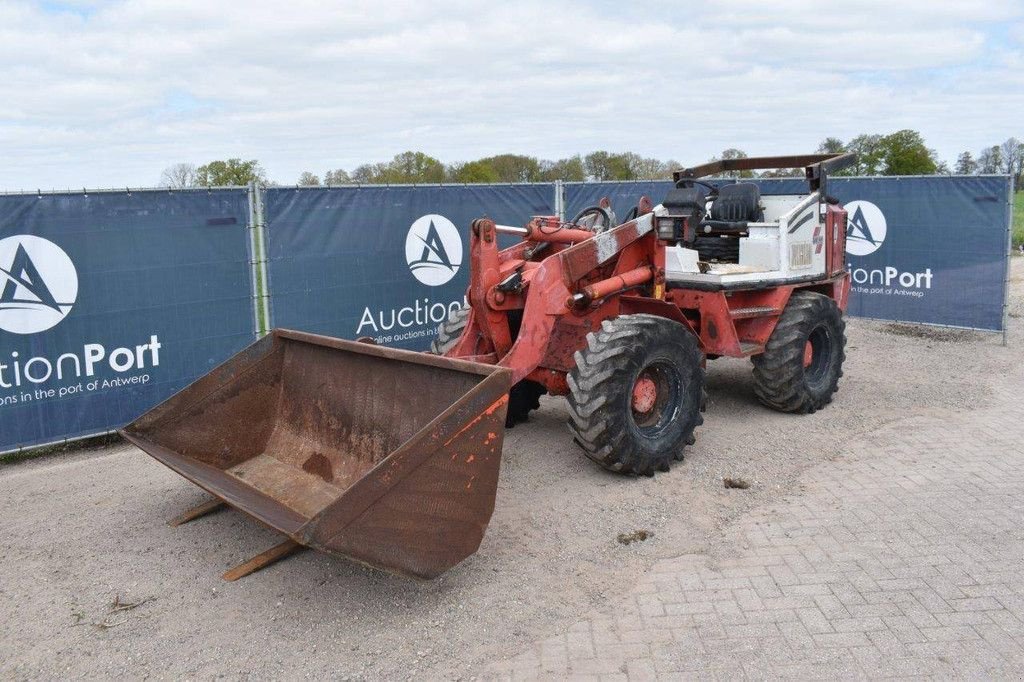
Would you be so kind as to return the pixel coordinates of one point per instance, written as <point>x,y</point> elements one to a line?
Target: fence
<point>112,301</point>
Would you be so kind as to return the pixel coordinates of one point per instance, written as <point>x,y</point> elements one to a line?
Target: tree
<point>473,171</point>
<point>179,176</point>
<point>831,145</point>
<point>414,167</point>
<point>596,165</point>
<point>514,167</point>
<point>965,164</point>
<point>570,169</point>
<point>869,155</point>
<point>647,169</point>
<point>1012,152</point>
<point>990,160</point>
<point>233,172</point>
<point>307,179</point>
<point>369,173</point>
<point>904,153</point>
<point>732,154</point>
<point>337,177</point>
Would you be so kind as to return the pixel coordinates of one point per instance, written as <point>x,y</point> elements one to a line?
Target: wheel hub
<point>808,354</point>
<point>645,394</point>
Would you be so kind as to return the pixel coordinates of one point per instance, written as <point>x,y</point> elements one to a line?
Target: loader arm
<point>582,269</point>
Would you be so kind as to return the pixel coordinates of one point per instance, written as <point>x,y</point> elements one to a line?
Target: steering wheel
<point>602,213</point>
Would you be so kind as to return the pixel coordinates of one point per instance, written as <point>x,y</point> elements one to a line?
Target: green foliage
<point>602,165</point>
<point>473,171</point>
<point>870,155</point>
<point>231,172</point>
<point>514,168</point>
<point>904,153</point>
<point>406,168</point>
<point>570,169</point>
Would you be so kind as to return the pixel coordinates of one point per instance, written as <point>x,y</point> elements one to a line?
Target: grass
<point>1018,219</point>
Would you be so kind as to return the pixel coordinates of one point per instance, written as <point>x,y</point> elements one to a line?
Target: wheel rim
<point>654,399</point>
<point>818,356</point>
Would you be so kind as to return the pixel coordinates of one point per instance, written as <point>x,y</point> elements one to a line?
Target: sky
<point>107,94</point>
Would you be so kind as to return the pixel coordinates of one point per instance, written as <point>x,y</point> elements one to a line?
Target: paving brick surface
<point>903,557</point>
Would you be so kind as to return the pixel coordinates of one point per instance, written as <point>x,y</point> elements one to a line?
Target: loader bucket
<point>384,456</point>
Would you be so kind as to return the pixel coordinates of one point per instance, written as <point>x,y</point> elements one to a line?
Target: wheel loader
<point>391,458</point>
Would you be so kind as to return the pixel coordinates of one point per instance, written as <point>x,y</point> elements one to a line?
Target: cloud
<point>110,93</point>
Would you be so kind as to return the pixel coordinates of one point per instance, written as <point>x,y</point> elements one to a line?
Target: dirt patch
<point>920,331</point>
<point>635,536</point>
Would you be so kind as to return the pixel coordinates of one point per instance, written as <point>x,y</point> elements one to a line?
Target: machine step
<point>755,311</point>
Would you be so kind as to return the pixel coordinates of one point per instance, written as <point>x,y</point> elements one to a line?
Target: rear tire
<point>800,368</point>
<point>635,394</point>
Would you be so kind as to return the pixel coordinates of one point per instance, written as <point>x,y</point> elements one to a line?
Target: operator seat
<point>738,202</point>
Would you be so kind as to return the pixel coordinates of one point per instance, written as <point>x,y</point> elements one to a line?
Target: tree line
<point>903,152</point>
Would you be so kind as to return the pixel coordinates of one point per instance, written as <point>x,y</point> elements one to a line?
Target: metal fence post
<point>258,264</point>
<point>559,200</point>
<point>1009,255</point>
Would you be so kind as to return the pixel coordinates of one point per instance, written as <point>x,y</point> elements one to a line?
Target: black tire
<point>781,380</point>
<point>524,396</point>
<point>605,418</point>
<point>449,331</point>
<point>523,399</point>
<point>722,249</point>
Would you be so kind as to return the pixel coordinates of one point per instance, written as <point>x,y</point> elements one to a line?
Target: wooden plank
<point>264,559</point>
<point>197,512</point>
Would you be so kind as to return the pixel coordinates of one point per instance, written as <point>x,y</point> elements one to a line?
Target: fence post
<point>258,264</point>
<point>254,284</point>
<point>559,200</point>
<point>1009,255</point>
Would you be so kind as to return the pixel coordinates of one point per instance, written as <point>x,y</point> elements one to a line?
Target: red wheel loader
<point>391,457</point>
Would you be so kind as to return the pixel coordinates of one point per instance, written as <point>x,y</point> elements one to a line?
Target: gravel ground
<point>85,530</point>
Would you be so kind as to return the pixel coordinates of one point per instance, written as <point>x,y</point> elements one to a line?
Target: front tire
<point>449,331</point>
<point>800,368</point>
<point>635,394</point>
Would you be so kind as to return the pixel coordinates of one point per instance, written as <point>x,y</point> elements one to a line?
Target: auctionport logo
<point>433,250</point>
<point>865,228</point>
<point>38,284</point>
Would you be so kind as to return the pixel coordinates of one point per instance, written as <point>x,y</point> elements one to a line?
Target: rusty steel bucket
<point>384,456</point>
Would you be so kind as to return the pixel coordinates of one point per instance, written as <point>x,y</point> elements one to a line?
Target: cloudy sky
<point>108,94</point>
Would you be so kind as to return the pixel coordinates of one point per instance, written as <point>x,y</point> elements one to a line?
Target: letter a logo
<point>433,250</point>
<point>38,284</point>
<point>865,228</point>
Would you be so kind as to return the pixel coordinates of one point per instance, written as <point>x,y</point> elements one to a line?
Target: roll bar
<point>816,167</point>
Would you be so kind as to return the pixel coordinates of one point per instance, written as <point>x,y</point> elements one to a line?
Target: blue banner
<point>111,302</point>
<point>928,249</point>
<point>382,262</point>
<point>921,249</point>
